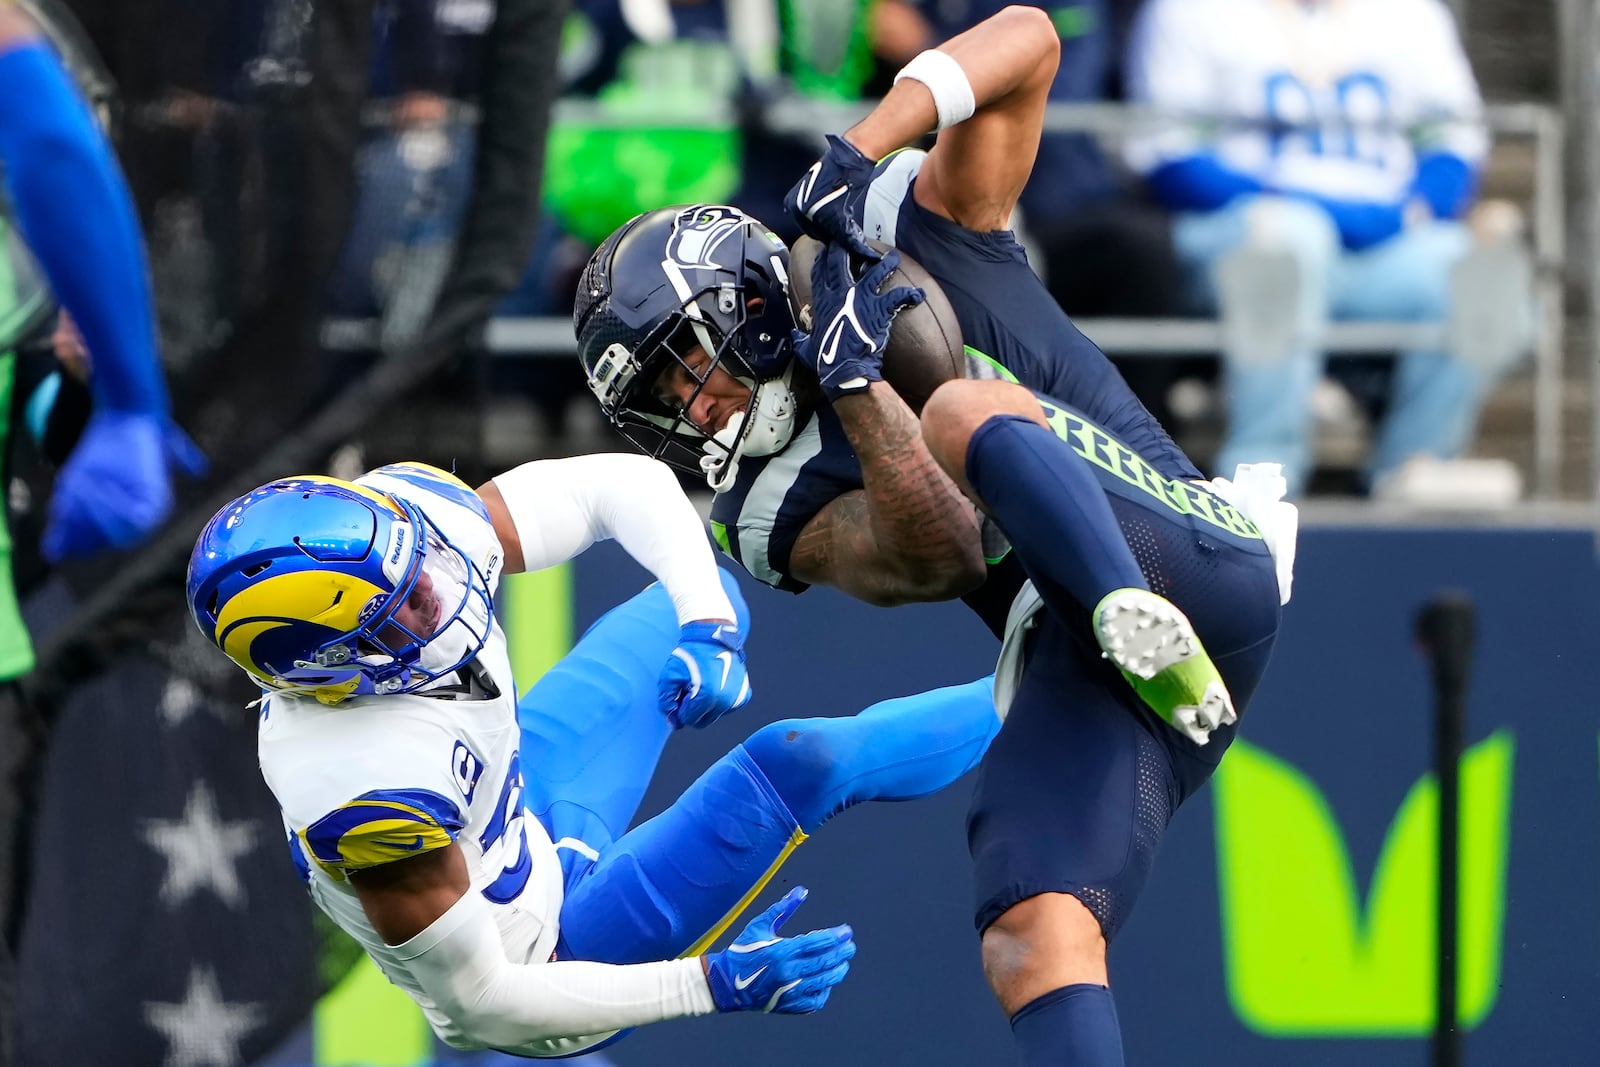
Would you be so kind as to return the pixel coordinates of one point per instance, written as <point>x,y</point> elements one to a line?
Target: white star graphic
<point>203,1030</point>
<point>179,700</point>
<point>202,851</point>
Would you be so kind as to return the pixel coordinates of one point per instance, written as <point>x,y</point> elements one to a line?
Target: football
<point>925,347</point>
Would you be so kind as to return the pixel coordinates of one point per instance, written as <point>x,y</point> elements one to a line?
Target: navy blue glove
<point>705,677</point>
<point>827,202</point>
<point>789,975</point>
<point>115,488</point>
<point>851,321</point>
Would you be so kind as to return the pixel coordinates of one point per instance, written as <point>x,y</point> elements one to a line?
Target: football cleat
<point>1155,647</point>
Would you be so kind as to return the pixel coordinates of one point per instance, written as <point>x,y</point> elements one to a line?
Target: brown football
<point>925,347</point>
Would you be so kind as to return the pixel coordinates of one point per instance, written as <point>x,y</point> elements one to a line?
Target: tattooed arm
<point>909,535</point>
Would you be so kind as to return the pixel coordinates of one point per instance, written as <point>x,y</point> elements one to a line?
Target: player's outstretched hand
<point>116,487</point>
<point>790,975</point>
<point>827,202</point>
<point>705,677</point>
<point>851,321</point>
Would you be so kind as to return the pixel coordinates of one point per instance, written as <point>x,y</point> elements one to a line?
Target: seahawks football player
<point>1138,603</point>
<point>479,849</point>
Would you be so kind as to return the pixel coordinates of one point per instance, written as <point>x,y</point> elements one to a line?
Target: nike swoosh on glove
<point>851,320</point>
<point>115,488</point>
<point>827,202</point>
<point>763,972</point>
<point>705,677</point>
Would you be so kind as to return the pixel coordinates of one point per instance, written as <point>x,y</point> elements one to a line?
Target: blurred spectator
<point>666,83</point>
<point>664,79</point>
<point>187,140</point>
<point>826,47</point>
<point>1101,246</point>
<point>415,168</point>
<point>1333,154</point>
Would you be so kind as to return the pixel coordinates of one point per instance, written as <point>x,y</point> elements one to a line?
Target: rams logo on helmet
<point>298,582</point>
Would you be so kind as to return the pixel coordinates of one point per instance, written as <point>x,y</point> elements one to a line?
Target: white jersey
<point>378,778</point>
<point>1331,97</point>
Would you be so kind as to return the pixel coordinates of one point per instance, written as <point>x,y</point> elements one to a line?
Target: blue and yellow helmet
<point>298,582</point>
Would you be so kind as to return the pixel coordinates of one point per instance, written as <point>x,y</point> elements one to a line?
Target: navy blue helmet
<point>669,281</point>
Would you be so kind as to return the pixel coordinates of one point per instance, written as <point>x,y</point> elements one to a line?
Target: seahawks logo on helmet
<point>726,293</point>
<point>699,231</point>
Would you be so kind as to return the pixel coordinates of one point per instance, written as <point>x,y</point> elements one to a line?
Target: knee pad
<point>800,758</point>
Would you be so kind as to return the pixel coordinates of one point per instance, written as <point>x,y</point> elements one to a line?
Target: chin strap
<point>720,464</point>
<point>766,431</point>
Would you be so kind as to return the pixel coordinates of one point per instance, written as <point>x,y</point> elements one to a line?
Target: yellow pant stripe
<point>796,839</point>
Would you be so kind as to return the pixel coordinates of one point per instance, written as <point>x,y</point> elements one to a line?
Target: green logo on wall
<point>1303,957</point>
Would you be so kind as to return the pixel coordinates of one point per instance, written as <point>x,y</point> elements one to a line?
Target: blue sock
<point>74,208</point>
<point>1074,1026</point>
<point>1052,509</point>
<point>897,749</point>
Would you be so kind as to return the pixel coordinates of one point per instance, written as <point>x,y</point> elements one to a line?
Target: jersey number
<point>467,769</point>
<point>1360,101</point>
<point>508,816</point>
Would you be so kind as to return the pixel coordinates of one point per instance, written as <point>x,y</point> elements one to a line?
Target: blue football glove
<point>851,321</point>
<point>115,488</point>
<point>789,975</point>
<point>705,677</point>
<point>828,200</point>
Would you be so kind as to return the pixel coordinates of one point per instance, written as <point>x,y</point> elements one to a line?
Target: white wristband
<point>946,82</point>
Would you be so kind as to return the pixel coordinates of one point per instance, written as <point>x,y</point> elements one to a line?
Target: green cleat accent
<point>1155,647</point>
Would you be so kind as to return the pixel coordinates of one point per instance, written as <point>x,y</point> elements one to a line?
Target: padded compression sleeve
<point>74,208</point>
<point>562,506</point>
<point>542,1009</point>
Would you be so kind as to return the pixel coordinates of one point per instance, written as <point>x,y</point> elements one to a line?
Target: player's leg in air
<point>993,439</point>
<point>593,731</point>
<point>1057,869</point>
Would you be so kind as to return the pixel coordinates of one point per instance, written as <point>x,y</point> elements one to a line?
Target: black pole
<point>1445,631</point>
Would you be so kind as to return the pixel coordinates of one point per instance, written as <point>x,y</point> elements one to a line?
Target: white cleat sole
<point>1215,709</point>
<point>1144,634</point>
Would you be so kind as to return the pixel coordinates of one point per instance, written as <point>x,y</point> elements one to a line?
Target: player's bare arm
<point>15,27</point>
<point>978,167</point>
<point>405,897</point>
<point>504,527</point>
<point>910,535</point>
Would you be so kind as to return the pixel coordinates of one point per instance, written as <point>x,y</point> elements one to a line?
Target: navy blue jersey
<point>1013,329</point>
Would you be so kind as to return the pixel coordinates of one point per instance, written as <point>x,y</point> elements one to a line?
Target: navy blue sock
<point>1052,509</point>
<point>1074,1026</point>
<point>74,208</point>
<point>897,749</point>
